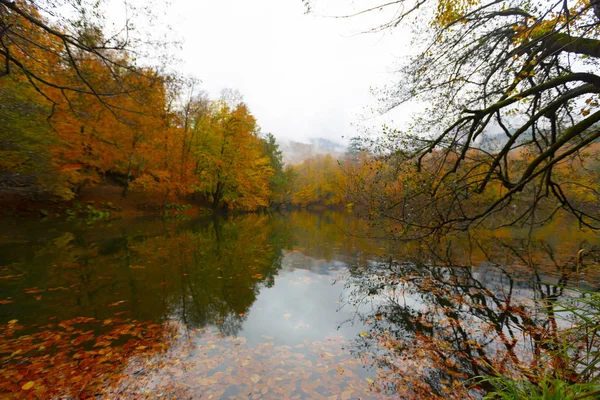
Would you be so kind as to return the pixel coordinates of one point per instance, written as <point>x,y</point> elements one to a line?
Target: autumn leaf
<point>28,385</point>
<point>117,303</point>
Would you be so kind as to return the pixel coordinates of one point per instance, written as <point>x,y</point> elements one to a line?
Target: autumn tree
<point>233,169</point>
<point>50,49</point>
<point>100,107</point>
<point>512,92</point>
<point>318,180</point>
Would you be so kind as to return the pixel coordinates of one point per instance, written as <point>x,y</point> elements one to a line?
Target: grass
<point>575,358</point>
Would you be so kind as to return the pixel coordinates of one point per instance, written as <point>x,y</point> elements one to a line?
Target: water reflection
<point>435,325</point>
<point>267,306</point>
<point>257,290</point>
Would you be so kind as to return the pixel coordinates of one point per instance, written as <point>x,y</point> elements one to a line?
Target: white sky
<point>301,75</point>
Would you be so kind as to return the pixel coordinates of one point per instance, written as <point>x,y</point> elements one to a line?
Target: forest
<point>507,141</point>
<point>79,114</point>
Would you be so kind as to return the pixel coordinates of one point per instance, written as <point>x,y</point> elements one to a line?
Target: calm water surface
<point>297,305</point>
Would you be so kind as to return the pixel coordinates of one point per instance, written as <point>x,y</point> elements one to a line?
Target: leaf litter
<point>127,359</point>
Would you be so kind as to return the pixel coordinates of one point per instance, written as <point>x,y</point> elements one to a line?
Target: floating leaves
<point>57,361</point>
<point>116,303</point>
<point>7,277</point>
<point>209,364</point>
<point>115,358</point>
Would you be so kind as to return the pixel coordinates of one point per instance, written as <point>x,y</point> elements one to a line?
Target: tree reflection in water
<point>435,322</point>
<point>226,307</point>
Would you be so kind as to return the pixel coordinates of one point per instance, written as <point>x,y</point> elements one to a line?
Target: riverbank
<point>104,201</point>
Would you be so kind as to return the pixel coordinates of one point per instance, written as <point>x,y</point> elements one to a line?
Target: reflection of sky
<point>303,304</point>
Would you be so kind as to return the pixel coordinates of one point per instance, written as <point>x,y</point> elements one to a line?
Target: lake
<point>296,305</point>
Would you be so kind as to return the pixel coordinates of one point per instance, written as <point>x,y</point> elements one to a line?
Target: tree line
<point>78,110</point>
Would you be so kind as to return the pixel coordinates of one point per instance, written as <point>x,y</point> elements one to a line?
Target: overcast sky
<point>302,75</point>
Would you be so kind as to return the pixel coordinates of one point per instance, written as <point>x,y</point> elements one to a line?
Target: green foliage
<point>280,182</point>
<point>94,214</point>
<point>550,388</point>
<point>25,139</point>
<point>575,355</point>
<point>178,207</point>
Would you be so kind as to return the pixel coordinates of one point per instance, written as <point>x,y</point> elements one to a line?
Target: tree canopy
<point>79,109</point>
<point>512,92</point>
<point>52,44</point>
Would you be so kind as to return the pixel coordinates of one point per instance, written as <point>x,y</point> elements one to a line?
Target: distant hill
<point>296,152</point>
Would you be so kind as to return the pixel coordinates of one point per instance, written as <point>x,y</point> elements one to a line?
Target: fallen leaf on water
<point>13,321</point>
<point>28,385</point>
<point>6,301</point>
<point>11,276</point>
<point>137,267</point>
<point>255,378</point>
<point>369,380</point>
<point>116,303</point>
<point>287,315</point>
<point>363,334</point>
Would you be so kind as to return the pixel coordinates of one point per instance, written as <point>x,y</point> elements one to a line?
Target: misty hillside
<point>296,152</point>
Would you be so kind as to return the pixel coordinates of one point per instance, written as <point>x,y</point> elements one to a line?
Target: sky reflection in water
<point>256,307</point>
